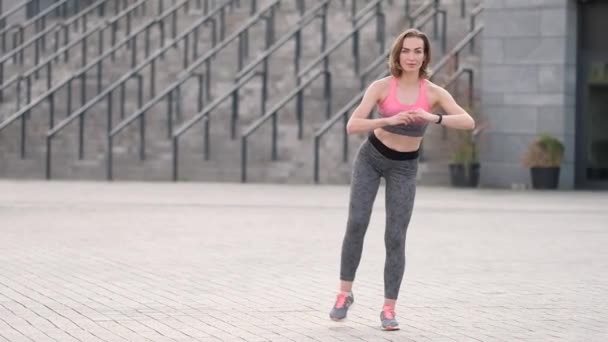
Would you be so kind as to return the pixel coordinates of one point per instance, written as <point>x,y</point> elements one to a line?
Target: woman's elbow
<point>471,123</point>
<point>350,129</point>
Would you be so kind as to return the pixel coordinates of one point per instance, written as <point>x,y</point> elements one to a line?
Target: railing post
<point>300,111</point>
<point>463,8</point>
<point>344,138</point>
<point>206,132</point>
<point>222,23</point>
<point>1,81</point>
<point>175,150</point>
<point>435,22</point>
<point>208,80</point>
<point>23,134</point>
<point>356,50</point>
<point>471,89</point>
<point>240,51</point>
<point>274,136</point>
<point>195,47</point>
<point>48,157</point>
<point>51,111</point>
<point>327,92</point>
<point>444,30</point>
<point>296,54</point>
<point>142,121</point>
<point>380,27</point>
<point>324,29</point>
<point>186,50</point>
<point>169,114</point>
<point>110,149</point>
<point>316,159</point>
<point>235,113</point>
<point>244,159</point>
<point>264,86</point>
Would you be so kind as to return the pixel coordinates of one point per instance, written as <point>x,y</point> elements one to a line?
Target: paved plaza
<point>230,262</point>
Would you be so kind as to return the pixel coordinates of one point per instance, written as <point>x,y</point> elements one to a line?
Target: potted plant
<point>544,157</point>
<point>464,168</point>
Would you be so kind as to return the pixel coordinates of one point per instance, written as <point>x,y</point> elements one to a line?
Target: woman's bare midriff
<point>398,142</point>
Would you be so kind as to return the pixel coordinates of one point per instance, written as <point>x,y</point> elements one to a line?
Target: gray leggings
<point>375,160</point>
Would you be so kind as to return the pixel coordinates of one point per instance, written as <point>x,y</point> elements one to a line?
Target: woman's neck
<point>409,78</point>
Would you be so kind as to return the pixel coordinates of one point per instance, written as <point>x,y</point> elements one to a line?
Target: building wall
<point>529,83</point>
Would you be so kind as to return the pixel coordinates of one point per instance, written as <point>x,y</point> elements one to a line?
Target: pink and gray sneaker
<point>343,302</point>
<point>387,317</point>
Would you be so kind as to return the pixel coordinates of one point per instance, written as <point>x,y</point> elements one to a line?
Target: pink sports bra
<point>391,106</point>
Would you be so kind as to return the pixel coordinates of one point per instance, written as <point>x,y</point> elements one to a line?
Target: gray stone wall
<point>528,82</point>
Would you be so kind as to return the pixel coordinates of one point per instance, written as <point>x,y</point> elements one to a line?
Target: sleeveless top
<point>391,106</point>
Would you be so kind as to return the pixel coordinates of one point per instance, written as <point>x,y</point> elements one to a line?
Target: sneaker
<point>343,302</point>
<point>387,317</point>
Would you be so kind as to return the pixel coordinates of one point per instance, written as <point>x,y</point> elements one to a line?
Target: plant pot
<point>545,177</point>
<point>464,175</point>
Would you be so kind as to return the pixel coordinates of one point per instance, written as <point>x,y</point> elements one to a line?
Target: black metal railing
<point>80,44</point>
<point>342,114</point>
<point>246,74</point>
<point>50,96</point>
<point>188,35</point>
<point>39,40</point>
<point>306,77</point>
<point>38,22</point>
<point>173,90</point>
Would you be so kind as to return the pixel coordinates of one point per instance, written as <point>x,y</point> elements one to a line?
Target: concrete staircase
<point>295,157</point>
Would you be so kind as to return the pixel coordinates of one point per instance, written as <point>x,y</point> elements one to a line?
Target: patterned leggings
<point>375,160</point>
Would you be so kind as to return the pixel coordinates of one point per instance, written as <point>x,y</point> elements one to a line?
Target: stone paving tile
<point>229,262</point>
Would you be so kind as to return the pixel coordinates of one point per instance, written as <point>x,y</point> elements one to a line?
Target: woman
<point>405,102</point>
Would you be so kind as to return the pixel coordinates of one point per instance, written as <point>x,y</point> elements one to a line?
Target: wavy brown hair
<point>393,58</point>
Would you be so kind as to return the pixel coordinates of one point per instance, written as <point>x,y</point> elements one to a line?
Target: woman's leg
<point>400,194</point>
<point>364,187</point>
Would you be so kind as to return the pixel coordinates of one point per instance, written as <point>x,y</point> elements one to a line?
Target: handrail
<point>175,86</point>
<point>186,75</point>
<point>46,63</point>
<point>272,114</point>
<point>34,20</point>
<point>81,74</point>
<point>323,57</point>
<point>241,80</point>
<point>135,70</point>
<point>78,74</point>
<point>305,19</point>
<point>454,53</point>
<point>473,22</point>
<point>107,92</point>
<point>40,37</point>
<point>357,25</point>
<point>14,9</point>
<point>342,113</point>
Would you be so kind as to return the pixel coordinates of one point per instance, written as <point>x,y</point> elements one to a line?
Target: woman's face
<point>412,54</point>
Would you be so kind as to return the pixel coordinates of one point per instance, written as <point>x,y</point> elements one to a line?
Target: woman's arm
<point>359,121</point>
<point>457,117</point>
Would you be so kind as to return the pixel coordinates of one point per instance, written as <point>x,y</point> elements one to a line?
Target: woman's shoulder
<point>434,91</point>
<point>381,86</point>
<point>382,83</point>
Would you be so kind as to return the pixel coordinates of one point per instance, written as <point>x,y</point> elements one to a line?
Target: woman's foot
<point>387,317</point>
<point>343,302</point>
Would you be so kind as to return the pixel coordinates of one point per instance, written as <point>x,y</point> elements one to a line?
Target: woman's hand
<point>420,115</point>
<point>404,118</point>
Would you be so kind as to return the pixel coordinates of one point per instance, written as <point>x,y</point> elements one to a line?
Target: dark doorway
<point>592,96</point>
